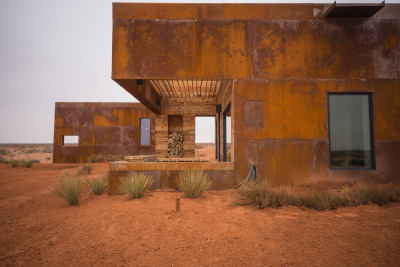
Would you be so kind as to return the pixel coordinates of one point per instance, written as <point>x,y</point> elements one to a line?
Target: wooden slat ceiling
<point>186,88</point>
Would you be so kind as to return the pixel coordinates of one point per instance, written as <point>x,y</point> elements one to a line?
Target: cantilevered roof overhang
<point>353,10</point>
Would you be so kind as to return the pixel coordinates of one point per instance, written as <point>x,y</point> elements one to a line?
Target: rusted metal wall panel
<point>302,47</point>
<point>318,49</point>
<point>181,49</point>
<point>172,11</point>
<point>107,128</point>
<point>292,147</point>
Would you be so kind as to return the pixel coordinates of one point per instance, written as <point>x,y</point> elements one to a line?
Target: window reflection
<point>350,131</point>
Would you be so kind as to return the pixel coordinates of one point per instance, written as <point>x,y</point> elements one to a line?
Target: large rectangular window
<point>351,131</point>
<point>144,132</point>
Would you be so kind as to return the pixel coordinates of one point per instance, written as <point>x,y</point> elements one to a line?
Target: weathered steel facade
<point>278,62</point>
<point>106,128</point>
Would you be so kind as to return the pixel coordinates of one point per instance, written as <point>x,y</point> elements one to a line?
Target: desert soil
<point>39,229</point>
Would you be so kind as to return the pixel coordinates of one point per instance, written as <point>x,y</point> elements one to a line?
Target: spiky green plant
<point>97,184</point>
<point>136,185</point>
<point>193,183</point>
<point>68,187</point>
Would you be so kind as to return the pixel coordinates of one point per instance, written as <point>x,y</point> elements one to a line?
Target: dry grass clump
<point>380,194</point>
<point>263,194</point>
<point>193,183</point>
<point>68,187</point>
<point>329,200</point>
<point>136,185</point>
<point>104,158</point>
<point>97,184</point>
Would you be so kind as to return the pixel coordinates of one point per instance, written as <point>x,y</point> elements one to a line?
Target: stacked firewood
<point>175,144</point>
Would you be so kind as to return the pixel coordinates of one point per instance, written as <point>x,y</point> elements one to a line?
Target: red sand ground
<point>38,229</point>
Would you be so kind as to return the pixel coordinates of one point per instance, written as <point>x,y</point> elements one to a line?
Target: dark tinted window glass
<point>350,131</point>
<point>145,132</point>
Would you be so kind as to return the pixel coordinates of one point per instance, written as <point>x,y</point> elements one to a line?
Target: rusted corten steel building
<point>102,128</point>
<point>311,92</point>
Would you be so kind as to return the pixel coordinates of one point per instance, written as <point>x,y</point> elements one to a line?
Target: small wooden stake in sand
<point>178,204</point>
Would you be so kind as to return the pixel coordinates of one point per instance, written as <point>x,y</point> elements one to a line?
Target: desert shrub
<point>97,184</point>
<point>396,189</point>
<point>14,163</point>
<point>85,169</point>
<point>348,196</point>
<point>254,192</point>
<point>136,185</point>
<point>104,158</point>
<point>381,194</point>
<point>2,160</point>
<point>262,194</point>
<point>282,197</point>
<point>315,200</point>
<point>331,199</point>
<point>360,195</point>
<point>35,161</point>
<point>26,163</point>
<point>68,187</point>
<point>20,163</point>
<point>193,183</point>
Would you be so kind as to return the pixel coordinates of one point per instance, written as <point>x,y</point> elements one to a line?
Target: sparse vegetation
<point>13,163</point>
<point>193,183</point>
<point>19,163</point>
<point>136,185</point>
<point>2,159</point>
<point>97,184</point>
<point>104,158</point>
<point>263,194</point>
<point>85,169</point>
<point>68,187</point>
<point>27,163</point>
<point>48,149</point>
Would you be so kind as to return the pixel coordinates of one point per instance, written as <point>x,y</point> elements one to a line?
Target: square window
<point>70,140</point>
<point>351,143</point>
<point>144,132</point>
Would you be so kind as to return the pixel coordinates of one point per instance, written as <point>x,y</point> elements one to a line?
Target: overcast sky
<point>58,51</point>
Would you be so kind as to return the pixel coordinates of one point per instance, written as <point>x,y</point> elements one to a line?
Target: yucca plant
<point>136,185</point>
<point>193,183</point>
<point>68,187</point>
<point>97,184</point>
